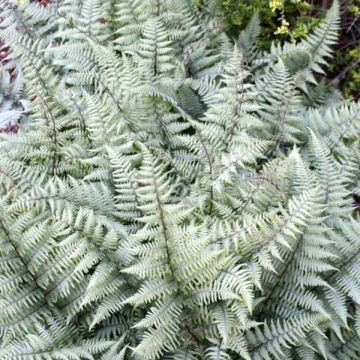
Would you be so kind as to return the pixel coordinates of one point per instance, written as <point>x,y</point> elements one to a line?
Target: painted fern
<point>177,194</point>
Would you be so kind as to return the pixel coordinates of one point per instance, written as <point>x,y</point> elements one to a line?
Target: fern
<point>172,193</point>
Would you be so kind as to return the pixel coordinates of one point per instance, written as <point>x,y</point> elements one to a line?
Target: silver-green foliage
<point>13,107</point>
<point>176,195</point>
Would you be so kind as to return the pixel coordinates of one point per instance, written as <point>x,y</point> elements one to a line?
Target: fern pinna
<point>177,194</point>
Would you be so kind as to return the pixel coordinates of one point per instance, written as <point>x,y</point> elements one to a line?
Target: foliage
<point>272,13</point>
<point>177,194</point>
<point>14,109</point>
<point>292,20</point>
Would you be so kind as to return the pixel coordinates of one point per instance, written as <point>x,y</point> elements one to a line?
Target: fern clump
<point>177,194</point>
